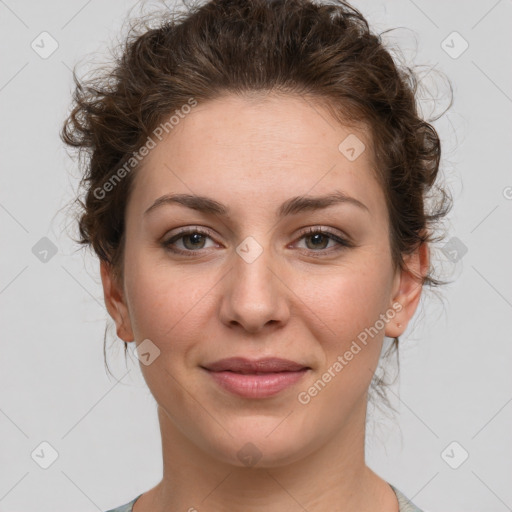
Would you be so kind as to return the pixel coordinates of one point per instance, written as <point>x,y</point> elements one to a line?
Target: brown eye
<point>196,240</point>
<point>192,240</point>
<point>317,240</point>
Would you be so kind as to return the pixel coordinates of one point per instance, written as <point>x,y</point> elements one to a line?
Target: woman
<point>255,192</point>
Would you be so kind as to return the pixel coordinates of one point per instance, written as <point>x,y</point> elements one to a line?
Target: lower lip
<point>256,386</point>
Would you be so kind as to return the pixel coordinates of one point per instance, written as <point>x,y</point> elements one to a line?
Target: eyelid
<point>310,230</point>
<point>342,241</point>
<point>186,231</point>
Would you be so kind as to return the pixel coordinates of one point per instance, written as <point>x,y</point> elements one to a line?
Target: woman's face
<point>257,285</point>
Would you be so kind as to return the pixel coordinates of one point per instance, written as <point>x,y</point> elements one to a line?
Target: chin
<point>260,444</point>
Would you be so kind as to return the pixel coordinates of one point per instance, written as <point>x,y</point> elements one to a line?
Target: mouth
<point>254,366</point>
<point>260,378</point>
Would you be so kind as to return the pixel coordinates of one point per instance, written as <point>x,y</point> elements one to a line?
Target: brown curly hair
<point>321,51</point>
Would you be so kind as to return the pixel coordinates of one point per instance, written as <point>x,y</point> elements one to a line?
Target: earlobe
<point>115,303</point>
<point>408,290</point>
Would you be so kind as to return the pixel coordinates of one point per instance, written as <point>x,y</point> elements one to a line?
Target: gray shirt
<point>404,504</point>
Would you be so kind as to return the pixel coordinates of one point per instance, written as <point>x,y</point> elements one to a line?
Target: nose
<point>255,295</point>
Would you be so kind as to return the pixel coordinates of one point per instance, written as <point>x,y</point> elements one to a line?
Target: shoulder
<point>127,507</point>
<point>404,503</point>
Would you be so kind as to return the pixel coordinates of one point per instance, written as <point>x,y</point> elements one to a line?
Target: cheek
<point>349,329</point>
<point>165,308</point>
<point>162,300</point>
<point>351,300</point>
<point>349,326</point>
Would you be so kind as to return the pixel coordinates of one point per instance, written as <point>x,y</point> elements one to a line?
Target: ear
<point>115,302</point>
<point>407,290</point>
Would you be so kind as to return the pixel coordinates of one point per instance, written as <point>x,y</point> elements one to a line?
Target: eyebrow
<point>291,206</point>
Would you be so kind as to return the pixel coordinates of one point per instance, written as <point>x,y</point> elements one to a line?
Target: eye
<point>194,239</point>
<point>320,238</point>
<point>191,239</point>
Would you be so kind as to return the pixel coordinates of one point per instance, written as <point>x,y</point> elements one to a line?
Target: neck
<point>333,475</point>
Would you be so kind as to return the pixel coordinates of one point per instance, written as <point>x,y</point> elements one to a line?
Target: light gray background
<point>455,360</point>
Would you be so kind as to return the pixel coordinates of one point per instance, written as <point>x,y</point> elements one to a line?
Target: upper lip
<point>265,365</point>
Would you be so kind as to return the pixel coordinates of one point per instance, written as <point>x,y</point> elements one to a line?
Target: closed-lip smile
<point>256,378</point>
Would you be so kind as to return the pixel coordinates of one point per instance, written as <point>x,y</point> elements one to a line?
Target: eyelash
<point>343,243</point>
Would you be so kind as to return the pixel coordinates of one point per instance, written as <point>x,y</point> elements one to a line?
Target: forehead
<point>250,152</point>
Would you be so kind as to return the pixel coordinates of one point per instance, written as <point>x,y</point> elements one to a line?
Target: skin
<point>252,155</point>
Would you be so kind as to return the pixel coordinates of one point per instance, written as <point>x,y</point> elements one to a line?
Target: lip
<point>265,365</point>
<point>259,378</point>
